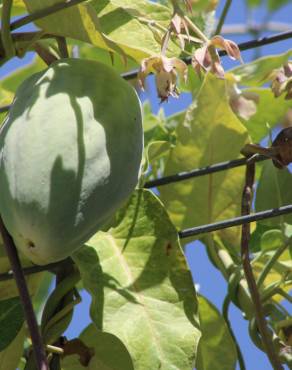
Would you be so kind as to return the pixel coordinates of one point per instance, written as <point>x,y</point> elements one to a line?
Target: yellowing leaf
<point>146,294</point>
<point>216,346</point>
<point>18,7</point>
<point>119,27</point>
<point>258,71</point>
<point>210,133</point>
<point>270,110</point>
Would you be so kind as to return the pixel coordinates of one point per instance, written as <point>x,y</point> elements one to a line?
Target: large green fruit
<point>70,154</point>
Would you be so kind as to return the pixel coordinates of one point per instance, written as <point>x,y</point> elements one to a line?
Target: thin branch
<point>37,343</point>
<point>239,28</point>
<point>223,17</point>
<point>42,13</point>
<point>266,40</point>
<point>201,171</point>
<point>52,267</point>
<point>242,220</point>
<point>252,286</point>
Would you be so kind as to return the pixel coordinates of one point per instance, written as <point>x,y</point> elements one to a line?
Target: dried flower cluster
<point>206,58</point>
<point>282,81</point>
<point>243,103</point>
<point>166,71</point>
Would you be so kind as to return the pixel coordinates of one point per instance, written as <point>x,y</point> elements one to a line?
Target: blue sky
<point>211,283</point>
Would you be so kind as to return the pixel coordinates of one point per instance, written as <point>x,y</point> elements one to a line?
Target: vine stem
<point>252,286</point>
<point>5,29</point>
<point>223,17</point>
<point>37,343</point>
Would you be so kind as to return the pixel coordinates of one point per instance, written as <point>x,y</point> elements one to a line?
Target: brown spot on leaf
<point>168,249</point>
<point>76,346</point>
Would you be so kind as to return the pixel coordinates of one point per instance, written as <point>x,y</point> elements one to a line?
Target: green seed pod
<point>70,155</point>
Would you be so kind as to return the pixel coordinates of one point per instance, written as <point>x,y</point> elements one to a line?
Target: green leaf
<point>216,347</point>
<point>11,320</point>
<point>255,240</point>
<point>270,110</point>
<point>204,5</point>
<point>271,240</point>
<point>11,82</point>
<point>274,239</point>
<point>18,8</point>
<point>276,4</point>
<point>41,294</point>
<point>158,137</point>
<point>8,288</point>
<point>5,99</point>
<point>10,357</point>
<point>77,22</point>
<point>254,3</point>
<point>155,126</point>
<point>193,82</point>
<point>281,272</point>
<point>148,297</point>
<point>257,73</point>
<point>210,133</point>
<point>124,27</point>
<point>92,277</point>
<point>88,51</point>
<point>72,363</point>
<point>274,190</point>
<point>132,25</point>
<point>135,8</point>
<point>109,352</point>
<point>158,149</point>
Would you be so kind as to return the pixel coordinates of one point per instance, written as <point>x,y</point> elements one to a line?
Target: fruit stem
<point>37,343</point>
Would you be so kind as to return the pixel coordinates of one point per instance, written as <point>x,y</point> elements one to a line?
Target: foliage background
<point>209,280</point>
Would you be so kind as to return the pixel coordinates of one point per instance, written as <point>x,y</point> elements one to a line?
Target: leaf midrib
<point>128,272</point>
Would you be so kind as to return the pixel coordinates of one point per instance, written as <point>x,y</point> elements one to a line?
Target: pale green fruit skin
<point>70,155</point>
